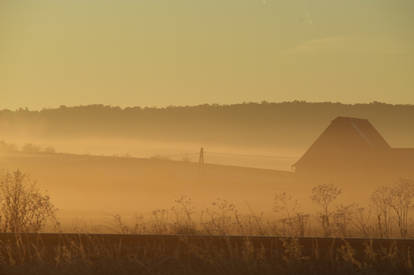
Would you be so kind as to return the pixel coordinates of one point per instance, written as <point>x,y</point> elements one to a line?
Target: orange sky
<point>179,52</point>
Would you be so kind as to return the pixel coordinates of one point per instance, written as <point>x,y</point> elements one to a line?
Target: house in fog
<point>351,148</point>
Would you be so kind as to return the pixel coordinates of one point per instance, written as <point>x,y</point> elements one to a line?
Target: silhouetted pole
<point>201,157</point>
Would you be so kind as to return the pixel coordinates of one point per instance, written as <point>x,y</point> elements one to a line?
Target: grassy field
<point>92,189</point>
<point>195,233</point>
<point>172,254</point>
<point>101,185</point>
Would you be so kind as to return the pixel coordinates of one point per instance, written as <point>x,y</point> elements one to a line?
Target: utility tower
<point>201,157</point>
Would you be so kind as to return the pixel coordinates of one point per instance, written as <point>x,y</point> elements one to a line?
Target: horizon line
<point>158,107</point>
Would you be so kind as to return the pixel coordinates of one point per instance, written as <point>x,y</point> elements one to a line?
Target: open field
<point>172,254</point>
<point>79,185</point>
<point>82,183</point>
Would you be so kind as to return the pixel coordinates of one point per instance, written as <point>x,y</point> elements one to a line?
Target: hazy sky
<point>176,52</point>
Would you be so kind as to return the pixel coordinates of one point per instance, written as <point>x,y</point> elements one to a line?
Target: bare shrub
<point>363,223</point>
<point>395,199</point>
<point>160,221</point>
<point>324,195</point>
<point>23,207</point>
<point>381,201</point>
<point>183,212</point>
<point>138,226</point>
<point>342,219</point>
<point>402,194</point>
<point>221,218</point>
<point>293,220</point>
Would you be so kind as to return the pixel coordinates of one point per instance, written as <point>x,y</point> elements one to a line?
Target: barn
<point>351,148</point>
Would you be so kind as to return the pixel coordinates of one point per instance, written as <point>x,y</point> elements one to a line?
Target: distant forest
<point>286,124</point>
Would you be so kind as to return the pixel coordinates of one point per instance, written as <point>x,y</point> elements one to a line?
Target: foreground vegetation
<point>24,209</point>
<point>386,216</point>
<point>217,240</point>
<point>126,254</point>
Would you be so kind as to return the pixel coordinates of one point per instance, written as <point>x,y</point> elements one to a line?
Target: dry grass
<point>123,254</point>
<point>222,240</point>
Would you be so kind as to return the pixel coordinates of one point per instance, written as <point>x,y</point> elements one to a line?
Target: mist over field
<point>194,137</point>
<point>276,133</point>
<point>100,160</point>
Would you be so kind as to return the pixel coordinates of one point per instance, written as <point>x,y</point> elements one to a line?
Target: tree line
<point>294,123</point>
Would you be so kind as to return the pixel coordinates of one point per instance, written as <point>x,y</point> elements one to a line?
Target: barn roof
<point>345,135</point>
<point>403,154</point>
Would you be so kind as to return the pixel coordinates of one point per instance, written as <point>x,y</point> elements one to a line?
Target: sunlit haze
<point>187,52</point>
<point>193,137</point>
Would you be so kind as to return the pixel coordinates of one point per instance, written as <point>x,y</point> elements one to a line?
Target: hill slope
<point>115,184</point>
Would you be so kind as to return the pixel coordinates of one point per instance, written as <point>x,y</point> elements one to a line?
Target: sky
<point>189,52</point>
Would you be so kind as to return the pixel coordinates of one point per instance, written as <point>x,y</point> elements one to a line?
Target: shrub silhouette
<point>24,208</point>
<point>324,195</point>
